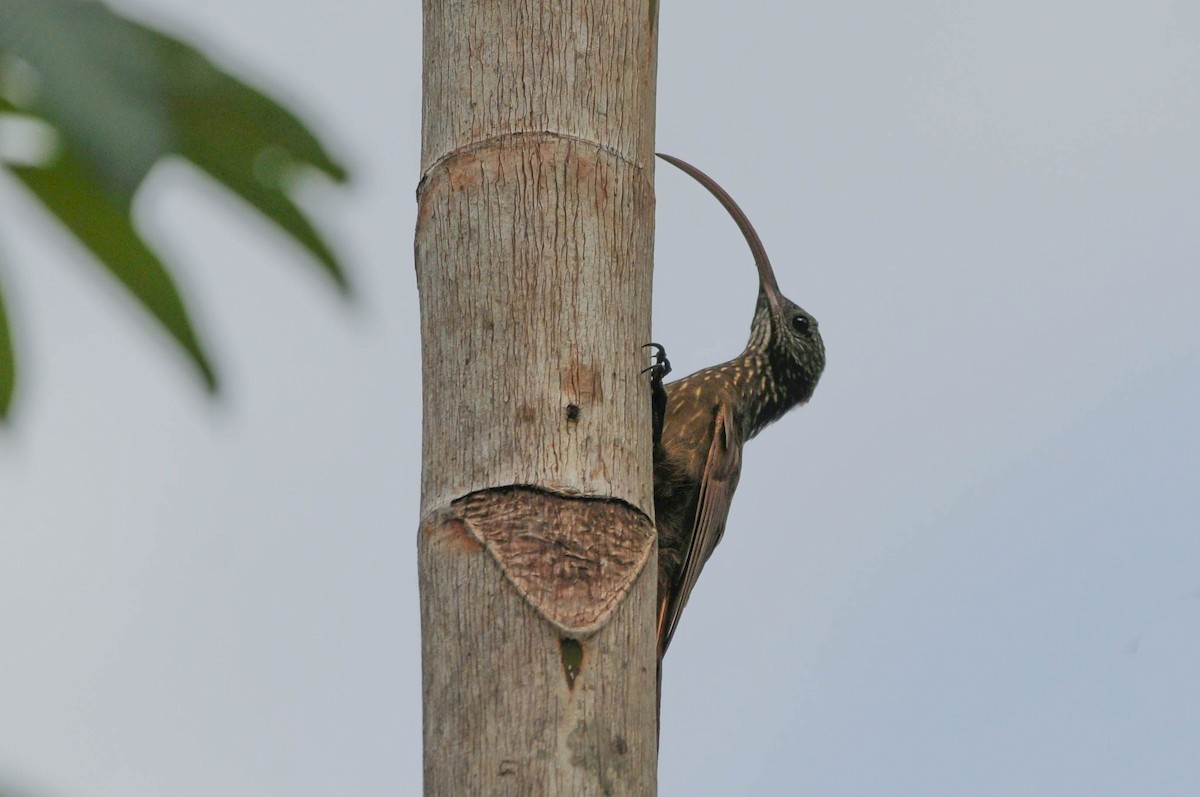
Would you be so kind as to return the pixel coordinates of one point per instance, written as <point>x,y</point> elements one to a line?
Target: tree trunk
<point>533,251</point>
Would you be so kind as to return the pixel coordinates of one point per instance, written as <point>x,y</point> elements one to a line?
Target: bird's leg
<point>658,394</point>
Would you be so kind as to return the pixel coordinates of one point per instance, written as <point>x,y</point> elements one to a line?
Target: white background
<point>970,566</point>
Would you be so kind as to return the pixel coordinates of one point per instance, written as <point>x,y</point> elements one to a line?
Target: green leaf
<point>246,142</point>
<point>124,96</point>
<point>102,223</point>
<point>121,97</point>
<point>8,362</point>
<point>96,84</point>
<point>8,354</point>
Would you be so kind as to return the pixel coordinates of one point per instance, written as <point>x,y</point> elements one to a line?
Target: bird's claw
<point>658,394</point>
<point>661,365</point>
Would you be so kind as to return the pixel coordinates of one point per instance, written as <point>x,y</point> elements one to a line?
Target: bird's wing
<point>721,471</point>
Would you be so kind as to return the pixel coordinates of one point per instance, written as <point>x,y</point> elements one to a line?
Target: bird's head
<point>782,331</point>
<point>790,338</point>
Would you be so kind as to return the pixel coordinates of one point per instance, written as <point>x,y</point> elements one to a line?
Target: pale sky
<point>970,566</point>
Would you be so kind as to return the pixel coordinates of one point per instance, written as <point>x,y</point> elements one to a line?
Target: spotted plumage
<point>712,413</point>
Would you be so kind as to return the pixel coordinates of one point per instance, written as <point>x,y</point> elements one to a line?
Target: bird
<point>702,421</point>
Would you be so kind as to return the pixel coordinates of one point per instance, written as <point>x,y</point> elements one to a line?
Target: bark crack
<point>507,141</point>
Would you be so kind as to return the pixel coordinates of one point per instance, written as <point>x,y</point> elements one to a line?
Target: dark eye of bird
<point>800,323</point>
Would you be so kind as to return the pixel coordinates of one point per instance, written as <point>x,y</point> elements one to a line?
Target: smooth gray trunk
<point>533,250</point>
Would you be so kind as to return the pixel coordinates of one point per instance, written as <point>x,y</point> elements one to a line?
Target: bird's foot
<point>661,366</point>
<point>658,394</point>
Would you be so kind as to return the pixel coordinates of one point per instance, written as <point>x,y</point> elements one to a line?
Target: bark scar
<point>572,659</point>
<point>549,548</point>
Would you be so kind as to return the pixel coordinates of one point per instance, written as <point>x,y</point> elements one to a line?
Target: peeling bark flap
<point>548,547</point>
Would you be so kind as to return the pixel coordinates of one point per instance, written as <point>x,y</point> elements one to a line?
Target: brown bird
<point>711,414</point>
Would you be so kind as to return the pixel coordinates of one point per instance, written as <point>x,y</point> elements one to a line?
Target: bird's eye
<point>801,324</point>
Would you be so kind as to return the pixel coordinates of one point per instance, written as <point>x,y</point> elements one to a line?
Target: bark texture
<point>533,250</point>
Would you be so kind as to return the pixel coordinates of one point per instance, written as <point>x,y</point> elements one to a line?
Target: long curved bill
<point>766,274</point>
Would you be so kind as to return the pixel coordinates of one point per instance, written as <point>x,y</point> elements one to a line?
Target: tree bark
<point>533,250</point>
